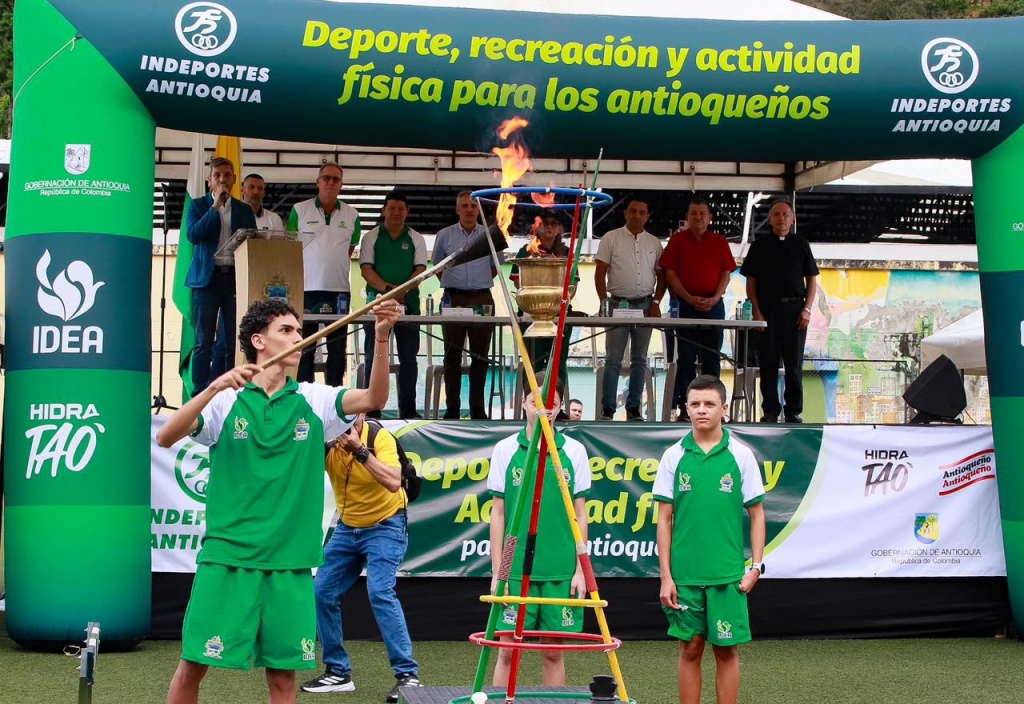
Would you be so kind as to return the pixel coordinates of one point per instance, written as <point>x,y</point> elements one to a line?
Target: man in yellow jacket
<point>372,533</point>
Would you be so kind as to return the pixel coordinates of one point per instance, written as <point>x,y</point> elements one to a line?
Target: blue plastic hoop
<point>597,198</point>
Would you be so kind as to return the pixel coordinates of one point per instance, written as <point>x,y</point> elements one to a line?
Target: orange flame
<point>546,199</point>
<point>533,249</point>
<point>515,161</point>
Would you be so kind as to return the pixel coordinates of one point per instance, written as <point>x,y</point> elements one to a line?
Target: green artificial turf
<point>773,672</point>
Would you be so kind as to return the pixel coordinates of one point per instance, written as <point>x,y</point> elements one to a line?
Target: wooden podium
<point>268,264</point>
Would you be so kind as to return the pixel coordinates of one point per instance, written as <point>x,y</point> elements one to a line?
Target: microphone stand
<point>159,401</point>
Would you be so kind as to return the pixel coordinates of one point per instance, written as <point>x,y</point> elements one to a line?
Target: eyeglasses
<point>331,179</point>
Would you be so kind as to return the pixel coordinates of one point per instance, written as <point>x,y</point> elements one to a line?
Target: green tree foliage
<point>918,9</point>
<point>6,64</point>
<point>889,10</point>
<point>1004,8</point>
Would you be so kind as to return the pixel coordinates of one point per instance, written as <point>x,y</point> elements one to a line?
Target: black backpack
<point>411,482</point>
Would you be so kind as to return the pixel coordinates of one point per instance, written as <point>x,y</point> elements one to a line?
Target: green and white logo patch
<point>724,630</point>
<point>192,470</point>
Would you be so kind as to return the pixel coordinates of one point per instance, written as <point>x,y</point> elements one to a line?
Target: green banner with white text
<point>640,87</point>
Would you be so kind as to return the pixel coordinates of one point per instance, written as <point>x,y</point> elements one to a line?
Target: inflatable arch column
<point>999,215</point>
<point>79,263</point>
<point>79,229</point>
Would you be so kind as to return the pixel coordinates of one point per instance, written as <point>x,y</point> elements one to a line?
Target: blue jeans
<point>696,342</point>
<point>407,344</point>
<point>615,347</point>
<point>220,356</point>
<point>207,303</point>
<point>381,548</point>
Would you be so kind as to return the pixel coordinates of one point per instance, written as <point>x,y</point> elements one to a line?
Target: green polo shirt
<point>264,502</point>
<point>555,556</point>
<point>708,492</point>
<point>394,260</point>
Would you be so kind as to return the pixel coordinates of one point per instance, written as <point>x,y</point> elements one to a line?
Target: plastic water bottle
<point>371,294</point>
<point>606,308</point>
<point>623,304</point>
<point>446,301</point>
<point>673,307</point>
<point>748,310</point>
<point>342,304</point>
<point>430,305</point>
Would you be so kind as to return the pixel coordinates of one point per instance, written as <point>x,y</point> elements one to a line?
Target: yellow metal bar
<point>509,599</point>
<point>563,486</point>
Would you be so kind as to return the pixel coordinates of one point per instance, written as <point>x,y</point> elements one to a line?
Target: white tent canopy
<point>962,341</point>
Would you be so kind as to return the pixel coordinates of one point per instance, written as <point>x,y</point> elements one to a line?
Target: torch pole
<point>510,539</point>
<point>473,249</point>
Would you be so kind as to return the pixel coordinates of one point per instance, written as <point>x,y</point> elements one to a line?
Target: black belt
<point>468,291</point>
<point>791,299</point>
<point>224,268</point>
<point>633,301</point>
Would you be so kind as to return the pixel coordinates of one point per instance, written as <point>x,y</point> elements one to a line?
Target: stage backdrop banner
<point>841,502</point>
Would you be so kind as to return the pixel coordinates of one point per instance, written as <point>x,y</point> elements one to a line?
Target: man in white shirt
<point>254,189</point>
<point>329,231</point>
<point>629,276</point>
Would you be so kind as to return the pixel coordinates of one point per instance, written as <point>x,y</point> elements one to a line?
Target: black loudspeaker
<point>937,394</point>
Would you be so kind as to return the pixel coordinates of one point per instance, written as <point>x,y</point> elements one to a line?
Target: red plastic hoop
<point>592,641</point>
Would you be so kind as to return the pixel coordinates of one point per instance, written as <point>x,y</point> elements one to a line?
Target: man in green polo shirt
<point>556,570</point>
<point>391,255</point>
<point>703,485</point>
<point>252,598</point>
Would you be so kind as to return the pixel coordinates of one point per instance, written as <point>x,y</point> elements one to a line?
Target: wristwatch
<point>759,566</point>
<point>361,454</point>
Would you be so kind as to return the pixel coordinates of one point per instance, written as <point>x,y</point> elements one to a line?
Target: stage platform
<point>443,695</point>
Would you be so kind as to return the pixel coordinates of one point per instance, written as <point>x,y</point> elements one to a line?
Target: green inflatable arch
<point>92,81</point>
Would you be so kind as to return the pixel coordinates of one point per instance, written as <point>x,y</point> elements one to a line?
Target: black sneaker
<point>607,413</point>
<point>330,682</point>
<point>633,414</point>
<point>769,419</point>
<point>409,679</point>
<point>795,418</point>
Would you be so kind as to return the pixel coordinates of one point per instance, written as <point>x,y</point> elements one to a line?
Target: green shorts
<point>717,612</point>
<point>240,617</point>
<point>544,617</point>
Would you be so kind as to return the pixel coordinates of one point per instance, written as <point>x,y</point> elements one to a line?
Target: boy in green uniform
<point>556,571</point>
<point>252,599</point>
<point>703,484</point>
